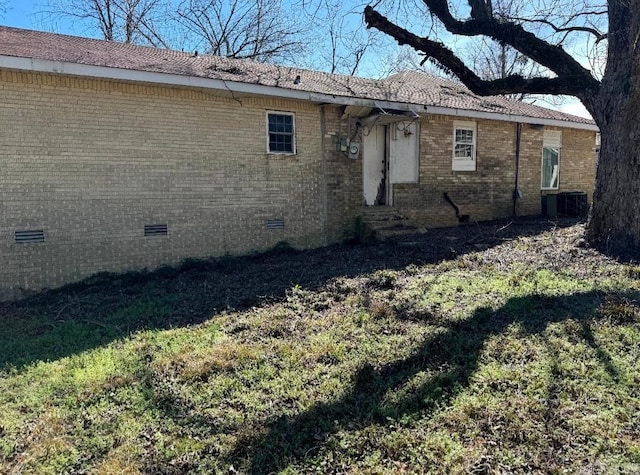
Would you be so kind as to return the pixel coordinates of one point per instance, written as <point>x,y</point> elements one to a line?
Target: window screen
<point>281,133</point>
<point>464,146</point>
<point>550,167</point>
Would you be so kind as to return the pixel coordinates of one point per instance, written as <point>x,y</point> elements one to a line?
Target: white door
<point>403,152</point>
<point>374,165</point>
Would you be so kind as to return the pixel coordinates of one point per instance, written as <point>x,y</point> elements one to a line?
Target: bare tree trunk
<point>615,217</point>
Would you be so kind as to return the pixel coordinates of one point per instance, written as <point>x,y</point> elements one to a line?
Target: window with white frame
<point>281,132</point>
<point>551,144</point>
<point>464,146</point>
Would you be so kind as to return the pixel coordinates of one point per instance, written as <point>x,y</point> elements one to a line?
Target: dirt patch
<point>198,289</point>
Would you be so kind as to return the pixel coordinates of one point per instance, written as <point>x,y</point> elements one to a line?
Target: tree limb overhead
<point>572,78</point>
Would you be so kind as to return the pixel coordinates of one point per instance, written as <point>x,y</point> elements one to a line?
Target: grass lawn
<point>494,348</point>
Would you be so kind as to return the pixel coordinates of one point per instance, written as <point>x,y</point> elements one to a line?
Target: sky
<point>28,14</point>
<point>21,14</point>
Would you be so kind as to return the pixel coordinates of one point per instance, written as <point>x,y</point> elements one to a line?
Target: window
<point>552,141</point>
<point>464,146</point>
<point>281,132</point>
<point>550,165</point>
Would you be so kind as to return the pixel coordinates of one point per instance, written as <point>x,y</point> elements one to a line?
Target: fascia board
<point>509,118</point>
<point>134,75</point>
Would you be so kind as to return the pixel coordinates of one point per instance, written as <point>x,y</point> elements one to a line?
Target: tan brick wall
<point>577,161</point>
<point>487,192</point>
<point>91,162</point>
<point>344,178</point>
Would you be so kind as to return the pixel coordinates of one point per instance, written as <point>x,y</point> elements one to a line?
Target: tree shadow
<point>450,357</point>
<point>103,308</point>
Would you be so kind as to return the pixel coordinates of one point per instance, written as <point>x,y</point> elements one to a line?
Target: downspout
<point>325,211</point>
<point>462,218</point>
<point>516,191</point>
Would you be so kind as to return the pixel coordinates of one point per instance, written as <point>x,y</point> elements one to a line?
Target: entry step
<point>383,222</point>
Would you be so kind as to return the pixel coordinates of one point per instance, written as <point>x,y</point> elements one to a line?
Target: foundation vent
<point>156,230</point>
<point>25,237</point>
<point>275,224</point>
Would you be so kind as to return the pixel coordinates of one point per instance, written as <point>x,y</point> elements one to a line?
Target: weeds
<point>382,279</point>
<point>510,360</point>
<point>619,309</point>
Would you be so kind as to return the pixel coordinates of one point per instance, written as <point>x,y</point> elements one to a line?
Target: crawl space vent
<point>275,224</point>
<point>24,237</point>
<point>155,230</point>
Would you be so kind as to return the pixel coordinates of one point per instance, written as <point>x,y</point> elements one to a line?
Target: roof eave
<point>523,119</point>
<point>236,87</point>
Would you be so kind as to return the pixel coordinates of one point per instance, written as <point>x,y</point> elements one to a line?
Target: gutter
<point>522,119</point>
<point>234,87</point>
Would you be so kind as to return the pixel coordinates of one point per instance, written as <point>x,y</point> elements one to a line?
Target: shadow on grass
<point>94,312</point>
<point>452,357</point>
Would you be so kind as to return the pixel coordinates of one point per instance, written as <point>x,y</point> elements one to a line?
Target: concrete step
<point>384,222</point>
<point>380,213</point>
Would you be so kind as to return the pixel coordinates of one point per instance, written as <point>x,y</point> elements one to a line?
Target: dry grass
<point>504,350</point>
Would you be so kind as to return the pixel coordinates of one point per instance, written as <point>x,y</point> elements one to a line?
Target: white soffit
<point>357,111</point>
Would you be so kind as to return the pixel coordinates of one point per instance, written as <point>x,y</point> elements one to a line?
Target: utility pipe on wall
<point>516,191</point>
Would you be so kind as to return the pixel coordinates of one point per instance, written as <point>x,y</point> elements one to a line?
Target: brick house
<point>117,157</point>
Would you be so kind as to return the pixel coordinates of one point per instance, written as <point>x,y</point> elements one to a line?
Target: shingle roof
<point>427,89</point>
<point>407,87</point>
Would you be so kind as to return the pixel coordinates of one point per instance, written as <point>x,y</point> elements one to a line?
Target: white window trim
<point>552,139</point>
<point>542,170</point>
<point>465,164</point>
<point>294,132</point>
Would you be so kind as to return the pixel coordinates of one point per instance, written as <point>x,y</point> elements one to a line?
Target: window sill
<point>464,170</point>
<point>463,166</point>
<point>280,156</point>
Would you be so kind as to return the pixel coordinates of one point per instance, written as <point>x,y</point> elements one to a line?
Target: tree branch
<point>572,78</point>
<point>567,29</point>
<point>480,9</point>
